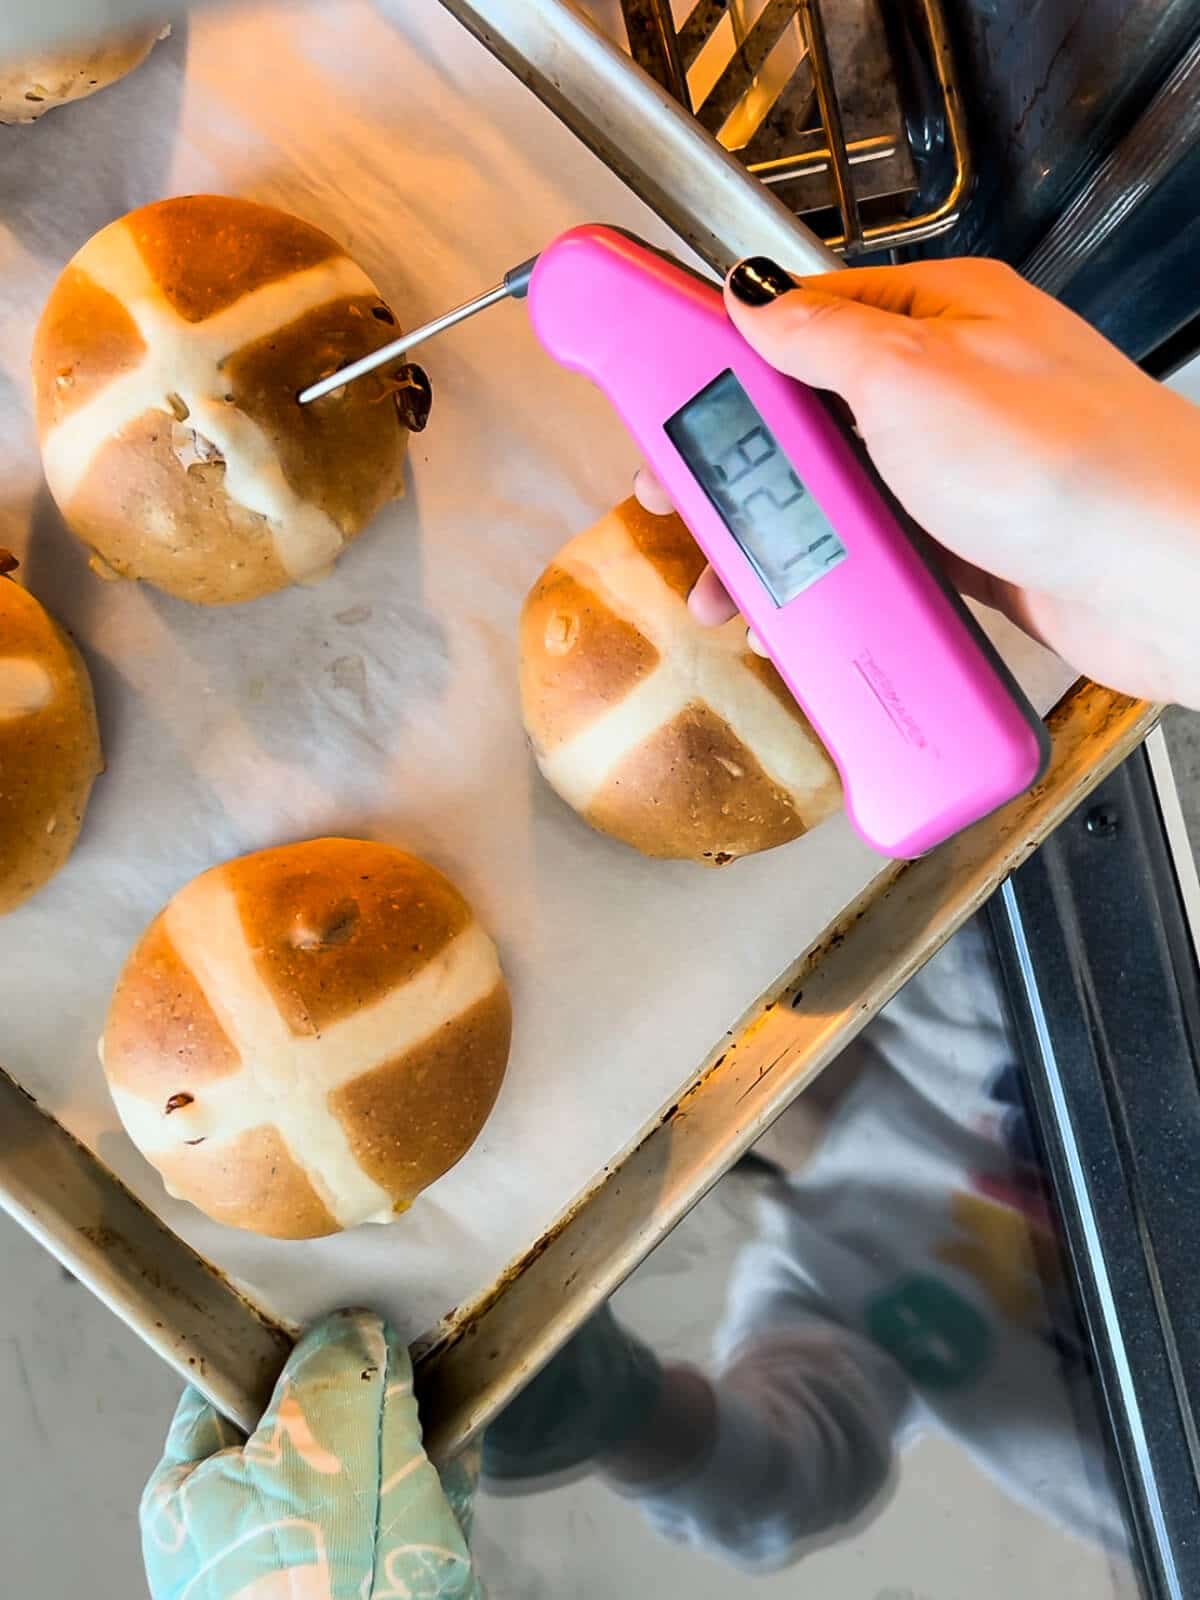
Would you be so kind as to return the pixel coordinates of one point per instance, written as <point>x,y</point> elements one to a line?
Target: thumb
<point>197,1432</point>
<point>838,331</point>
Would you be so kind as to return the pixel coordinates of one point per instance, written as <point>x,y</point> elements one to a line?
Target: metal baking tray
<point>186,1310</point>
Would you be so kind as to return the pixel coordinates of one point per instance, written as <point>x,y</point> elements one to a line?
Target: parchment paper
<point>382,702</point>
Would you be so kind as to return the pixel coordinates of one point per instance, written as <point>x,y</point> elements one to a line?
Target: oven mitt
<point>331,1498</point>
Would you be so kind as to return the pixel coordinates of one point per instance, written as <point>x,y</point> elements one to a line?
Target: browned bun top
<point>49,743</point>
<point>678,739</point>
<point>308,1036</point>
<point>166,367</point>
<point>31,87</point>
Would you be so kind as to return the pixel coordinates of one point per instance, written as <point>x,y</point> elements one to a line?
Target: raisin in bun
<point>166,368</point>
<point>36,84</point>
<point>308,1036</point>
<point>675,738</point>
<point>49,742</point>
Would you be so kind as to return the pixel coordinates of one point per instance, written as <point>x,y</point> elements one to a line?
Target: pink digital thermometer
<point>927,727</point>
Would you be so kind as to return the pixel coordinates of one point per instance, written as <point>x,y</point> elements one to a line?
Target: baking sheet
<point>382,702</point>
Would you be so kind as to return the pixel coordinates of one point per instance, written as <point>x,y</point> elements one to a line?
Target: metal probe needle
<point>514,285</point>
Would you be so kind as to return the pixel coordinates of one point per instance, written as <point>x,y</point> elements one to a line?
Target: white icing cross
<point>25,687</point>
<point>606,560</point>
<point>184,358</point>
<point>285,1081</point>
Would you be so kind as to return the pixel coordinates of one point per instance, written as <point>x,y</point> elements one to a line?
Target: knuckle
<point>810,311</point>
<point>902,343</point>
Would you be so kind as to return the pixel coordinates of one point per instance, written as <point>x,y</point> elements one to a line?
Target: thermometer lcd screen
<point>738,463</point>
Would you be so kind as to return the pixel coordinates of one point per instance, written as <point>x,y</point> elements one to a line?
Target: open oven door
<point>1096,937</point>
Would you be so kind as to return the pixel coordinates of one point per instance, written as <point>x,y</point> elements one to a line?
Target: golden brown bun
<point>166,367</point>
<point>675,738</point>
<point>30,88</point>
<point>49,743</point>
<point>308,1036</point>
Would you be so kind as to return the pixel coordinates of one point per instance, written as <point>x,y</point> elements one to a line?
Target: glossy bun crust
<point>166,367</point>
<point>35,85</point>
<point>49,743</point>
<point>308,1036</point>
<point>675,738</point>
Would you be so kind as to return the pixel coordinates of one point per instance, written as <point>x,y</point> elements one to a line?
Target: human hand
<point>331,1498</point>
<point>1062,483</point>
<point>604,1401</point>
<point>595,1392</point>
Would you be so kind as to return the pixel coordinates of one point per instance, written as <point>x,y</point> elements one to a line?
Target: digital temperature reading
<point>738,463</point>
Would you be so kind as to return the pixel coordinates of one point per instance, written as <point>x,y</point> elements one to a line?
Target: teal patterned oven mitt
<point>331,1498</point>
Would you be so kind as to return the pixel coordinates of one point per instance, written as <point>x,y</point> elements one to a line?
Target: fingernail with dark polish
<point>758,280</point>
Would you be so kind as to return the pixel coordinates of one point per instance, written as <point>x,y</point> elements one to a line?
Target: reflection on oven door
<point>854,1369</point>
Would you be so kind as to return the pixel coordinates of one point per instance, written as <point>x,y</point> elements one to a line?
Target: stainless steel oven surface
<point>931,1336</point>
<point>857,1368</point>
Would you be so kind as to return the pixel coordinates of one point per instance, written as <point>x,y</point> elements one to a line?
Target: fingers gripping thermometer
<point>927,728</point>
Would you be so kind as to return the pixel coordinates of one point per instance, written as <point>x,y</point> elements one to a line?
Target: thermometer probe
<point>928,729</point>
